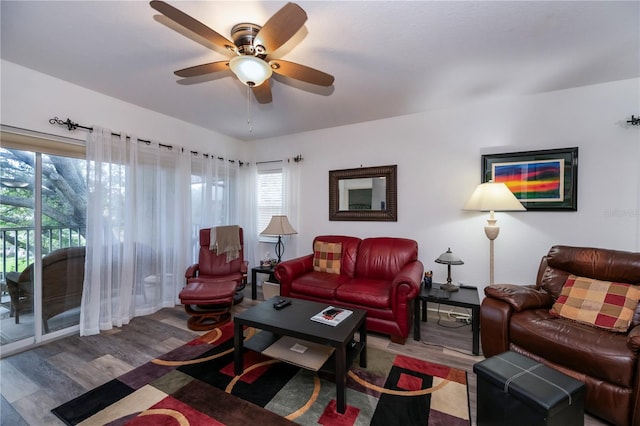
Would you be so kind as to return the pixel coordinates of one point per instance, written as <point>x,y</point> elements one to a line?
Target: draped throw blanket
<point>226,239</point>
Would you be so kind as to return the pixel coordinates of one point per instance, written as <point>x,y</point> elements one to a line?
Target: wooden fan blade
<point>262,92</point>
<point>301,72</point>
<point>191,24</point>
<point>281,27</point>
<point>203,69</point>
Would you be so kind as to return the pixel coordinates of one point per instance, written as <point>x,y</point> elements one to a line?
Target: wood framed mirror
<point>366,193</point>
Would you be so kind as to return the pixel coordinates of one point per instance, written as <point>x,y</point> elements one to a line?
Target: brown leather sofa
<point>381,275</point>
<point>517,318</point>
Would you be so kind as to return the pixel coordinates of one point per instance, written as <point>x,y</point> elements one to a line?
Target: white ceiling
<point>389,58</point>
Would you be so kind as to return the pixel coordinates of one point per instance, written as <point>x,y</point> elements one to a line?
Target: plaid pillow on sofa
<point>603,304</point>
<point>326,257</point>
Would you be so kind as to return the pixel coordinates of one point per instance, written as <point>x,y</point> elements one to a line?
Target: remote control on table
<point>281,304</point>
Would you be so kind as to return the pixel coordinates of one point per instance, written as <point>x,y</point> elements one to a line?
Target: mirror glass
<point>363,194</point>
<point>366,193</point>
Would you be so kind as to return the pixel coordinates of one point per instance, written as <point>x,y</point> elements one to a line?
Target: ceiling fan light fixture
<point>250,70</point>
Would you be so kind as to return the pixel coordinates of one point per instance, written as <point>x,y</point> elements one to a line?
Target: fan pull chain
<point>249,109</point>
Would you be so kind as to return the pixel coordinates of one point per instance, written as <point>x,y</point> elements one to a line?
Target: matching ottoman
<point>516,390</point>
<point>208,303</point>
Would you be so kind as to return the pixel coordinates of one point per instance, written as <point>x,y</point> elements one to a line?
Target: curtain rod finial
<point>70,124</point>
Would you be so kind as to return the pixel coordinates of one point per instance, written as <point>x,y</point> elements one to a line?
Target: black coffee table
<point>294,321</point>
<point>465,297</point>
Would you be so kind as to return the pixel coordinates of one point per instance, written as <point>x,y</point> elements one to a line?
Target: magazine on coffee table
<point>331,315</point>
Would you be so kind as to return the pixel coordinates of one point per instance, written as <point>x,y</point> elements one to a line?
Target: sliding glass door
<point>17,215</point>
<point>42,228</point>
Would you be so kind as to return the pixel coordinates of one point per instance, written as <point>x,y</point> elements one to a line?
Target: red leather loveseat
<point>381,275</point>
<point>521,319</point>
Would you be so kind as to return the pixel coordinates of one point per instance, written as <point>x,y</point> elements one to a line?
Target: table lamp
<point>448,258</point>
<point>492,196</point>
<point>279,225</point>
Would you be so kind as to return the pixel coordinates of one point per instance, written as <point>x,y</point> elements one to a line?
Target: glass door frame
<point>38,337</point>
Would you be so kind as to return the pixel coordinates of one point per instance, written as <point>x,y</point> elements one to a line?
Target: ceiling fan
<point>251,48</point>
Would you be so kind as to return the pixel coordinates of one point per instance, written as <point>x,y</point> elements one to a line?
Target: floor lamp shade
<point>492,197</point>
<point>279,225</point>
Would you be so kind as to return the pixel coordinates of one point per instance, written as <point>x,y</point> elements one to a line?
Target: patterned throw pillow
<point>603,304</point>
<point>326,257</point>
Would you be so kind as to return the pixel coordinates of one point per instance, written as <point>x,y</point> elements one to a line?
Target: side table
<point>465,297</point>
<point>254,282</point>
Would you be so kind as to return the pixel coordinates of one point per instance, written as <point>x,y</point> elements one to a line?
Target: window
<point>270,187</point>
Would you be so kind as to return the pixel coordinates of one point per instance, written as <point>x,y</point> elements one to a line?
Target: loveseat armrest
<point>404,288</point>
<point>633,339</point>
<point>519,297</point>
<point>192,271</point>
<point>406,284</point>
<point>289,270</point>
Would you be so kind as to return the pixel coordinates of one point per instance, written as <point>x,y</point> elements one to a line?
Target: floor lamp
<point>279,225</point>
<point>492,197</point>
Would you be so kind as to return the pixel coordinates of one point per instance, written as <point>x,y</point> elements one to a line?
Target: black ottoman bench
<point>516,390</point>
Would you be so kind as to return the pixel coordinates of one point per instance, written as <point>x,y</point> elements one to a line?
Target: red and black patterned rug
<point>195,385</point>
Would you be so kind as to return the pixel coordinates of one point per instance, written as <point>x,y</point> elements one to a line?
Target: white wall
<point>29,99</point>
<point>438,157</point>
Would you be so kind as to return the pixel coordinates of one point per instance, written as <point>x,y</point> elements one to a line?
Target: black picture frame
<point>554,171</point>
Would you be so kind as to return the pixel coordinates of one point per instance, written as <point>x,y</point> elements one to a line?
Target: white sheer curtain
<point>248,212</point>
<point>205,175</point>
<point>215,195</point>
<point>291,199</point>
<point>137,233</point>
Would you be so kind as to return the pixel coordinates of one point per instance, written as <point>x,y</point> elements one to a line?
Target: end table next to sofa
<point>268,270</point>
<point>465,297</point>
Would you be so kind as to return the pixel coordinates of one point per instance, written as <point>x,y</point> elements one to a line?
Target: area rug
<point>195,385</point>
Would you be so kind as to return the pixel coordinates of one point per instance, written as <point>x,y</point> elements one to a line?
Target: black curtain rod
<point>213,156</point>
<point>298,158</point>
<point>73,126</point>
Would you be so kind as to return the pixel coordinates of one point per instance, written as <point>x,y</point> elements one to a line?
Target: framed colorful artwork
<point>540,180</point>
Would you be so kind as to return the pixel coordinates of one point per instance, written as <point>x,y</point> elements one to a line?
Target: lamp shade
<point>448,258</point>
<point>279,225</point>
<point>251,70</point>
<point>493,196</point>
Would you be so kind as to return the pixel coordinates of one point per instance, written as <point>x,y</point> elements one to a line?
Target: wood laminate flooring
<point>36,381</point>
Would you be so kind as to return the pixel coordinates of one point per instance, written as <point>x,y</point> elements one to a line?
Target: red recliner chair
<point>214,285</point>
